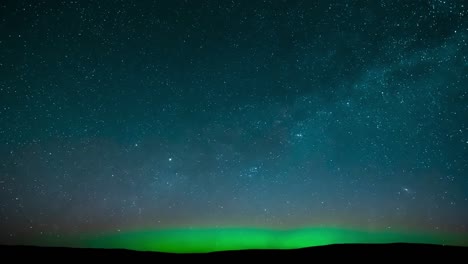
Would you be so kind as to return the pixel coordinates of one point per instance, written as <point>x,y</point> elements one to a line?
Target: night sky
<point>231,118</point>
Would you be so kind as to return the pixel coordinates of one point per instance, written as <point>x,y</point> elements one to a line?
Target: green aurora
<point>220,239</point>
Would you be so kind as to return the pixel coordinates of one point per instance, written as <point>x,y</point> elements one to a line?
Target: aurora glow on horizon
<point>203,240</point>
<point>197,126</point>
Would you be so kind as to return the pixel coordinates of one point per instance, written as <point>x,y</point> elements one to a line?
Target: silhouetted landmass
<point>372,252</point>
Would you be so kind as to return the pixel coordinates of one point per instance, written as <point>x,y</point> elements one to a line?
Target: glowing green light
<point>207,240</point>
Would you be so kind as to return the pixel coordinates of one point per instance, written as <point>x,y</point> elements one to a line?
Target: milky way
<point>210,121</point>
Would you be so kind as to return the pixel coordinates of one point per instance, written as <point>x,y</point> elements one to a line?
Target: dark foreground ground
<point>369,252</point>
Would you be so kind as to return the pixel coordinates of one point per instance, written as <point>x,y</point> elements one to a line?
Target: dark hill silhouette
<point>374,252</point>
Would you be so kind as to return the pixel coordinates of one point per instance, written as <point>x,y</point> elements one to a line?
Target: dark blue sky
<point>118,115</point>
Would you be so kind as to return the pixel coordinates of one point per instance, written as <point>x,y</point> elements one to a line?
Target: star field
<point>150,115</point>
